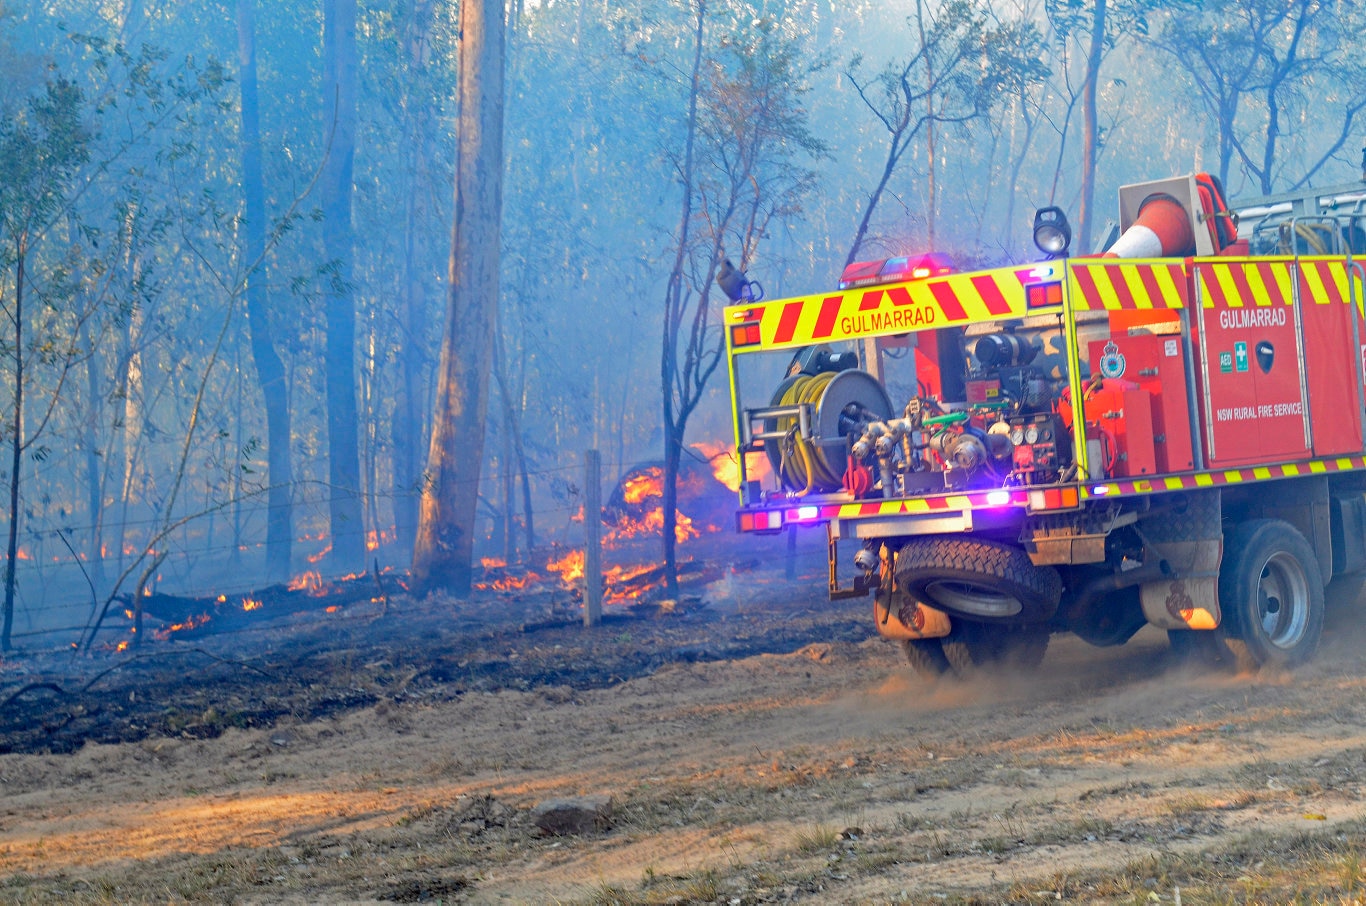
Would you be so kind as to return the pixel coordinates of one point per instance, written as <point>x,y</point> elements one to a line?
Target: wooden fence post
<point>592,531</point>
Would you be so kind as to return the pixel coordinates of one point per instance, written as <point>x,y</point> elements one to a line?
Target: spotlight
<point>1052,233</point>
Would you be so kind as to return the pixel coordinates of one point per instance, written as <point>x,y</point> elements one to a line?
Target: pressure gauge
<point>1032,434</point>
<point>1017,435</point>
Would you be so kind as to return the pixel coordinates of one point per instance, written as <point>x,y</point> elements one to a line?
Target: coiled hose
<point>1308,238</point>
<point>803,464</point>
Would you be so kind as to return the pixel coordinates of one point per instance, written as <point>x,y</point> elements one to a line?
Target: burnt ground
<point>301,662</point>
<point>759,744</point>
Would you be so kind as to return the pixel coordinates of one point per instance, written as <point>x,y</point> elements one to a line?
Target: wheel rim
<point>971,598</point>
<point>1283,600</point>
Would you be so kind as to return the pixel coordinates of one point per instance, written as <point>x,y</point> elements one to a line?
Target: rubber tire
<point>1266,560</point>
<point>968,648</point>
<point>1209,649</point>
<point>948,572</point>
<point>926,657</point>
<point>971,647</point>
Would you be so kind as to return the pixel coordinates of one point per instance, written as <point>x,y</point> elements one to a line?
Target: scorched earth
<point>758,744</point>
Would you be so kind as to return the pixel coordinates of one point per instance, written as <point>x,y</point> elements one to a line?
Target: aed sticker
<point>1240,355</point>
<point>1169,348</point>
<point>1226,363</point>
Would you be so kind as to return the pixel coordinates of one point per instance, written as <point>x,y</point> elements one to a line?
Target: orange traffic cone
<point>1162,229</point>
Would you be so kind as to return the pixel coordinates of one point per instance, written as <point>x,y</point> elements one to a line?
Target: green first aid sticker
<point>1240,355</point>
<point>1226,362</point>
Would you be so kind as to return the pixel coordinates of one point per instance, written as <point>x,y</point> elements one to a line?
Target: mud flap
<point>1192,543</point>
<point>909,619</point>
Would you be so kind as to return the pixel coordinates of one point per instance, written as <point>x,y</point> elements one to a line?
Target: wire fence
<point>61,588</point>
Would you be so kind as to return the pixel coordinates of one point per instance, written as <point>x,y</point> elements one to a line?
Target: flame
<point>570,567</point>
<point>162,635</point>
<point>372,540</point>
<point>250,604</point>
<point>122,646</point>
<point>726,468</point>
<point>651,524</point>
<point>492,562</point>
<point>644,484</point>
<point>22,554</point>
<point>333,608</point>
<point>314,558</point>
<point>621,584</point>
<point>307,581</point>
<point>509,583</point>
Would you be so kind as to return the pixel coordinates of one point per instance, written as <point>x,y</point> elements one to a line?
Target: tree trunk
<point>407,426</point>
<point>347,524</point>
<point>270,370</point>
<point>16,446</point>
<point>676,412</point>
<point>94,474</point>
<point>1090,132</point>
<point>930,144</point>
<point>443,555</point>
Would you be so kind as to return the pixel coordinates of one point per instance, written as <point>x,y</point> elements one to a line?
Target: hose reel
<point>841,404</point>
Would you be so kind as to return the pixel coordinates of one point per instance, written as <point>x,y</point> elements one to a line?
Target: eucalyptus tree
<point>43,144</point>
<point>958,63</point>
<point>1270,73</point>
<point>1093,29</point>
<point>346,520</point>
<point>743,162</point>
<point>270,369</point>
<point>443,554</point>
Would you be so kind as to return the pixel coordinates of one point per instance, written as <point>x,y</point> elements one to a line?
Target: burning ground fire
<point>633,512</point>
<point>621,584</point>
<point>309,591</point>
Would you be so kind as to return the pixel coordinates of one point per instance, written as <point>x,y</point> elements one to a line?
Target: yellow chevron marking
<point>1222,274</point>
<point>1285,281</point>
<point>1174,484</point>
<point>1171,290</point>
<point>1313,282</point>
<point>1204,480</point>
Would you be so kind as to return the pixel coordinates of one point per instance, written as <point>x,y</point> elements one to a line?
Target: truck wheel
<point>1271,592</point>
<point>926,656</point>
<point>971,646</point>
<point>1210,649</point>
<point>977,579</point>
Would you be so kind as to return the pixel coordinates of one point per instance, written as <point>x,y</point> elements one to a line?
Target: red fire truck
<point>1171,433</point>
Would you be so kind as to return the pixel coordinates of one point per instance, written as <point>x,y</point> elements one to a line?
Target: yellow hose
<point>803,463</point>
<point>1314,236</point>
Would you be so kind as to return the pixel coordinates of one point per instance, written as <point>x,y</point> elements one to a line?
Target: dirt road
<point>828,773</point>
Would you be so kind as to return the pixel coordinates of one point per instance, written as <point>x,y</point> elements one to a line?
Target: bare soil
<point>760,744</point>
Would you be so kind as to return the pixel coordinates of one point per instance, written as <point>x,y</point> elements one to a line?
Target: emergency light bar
<point>895,270</point>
